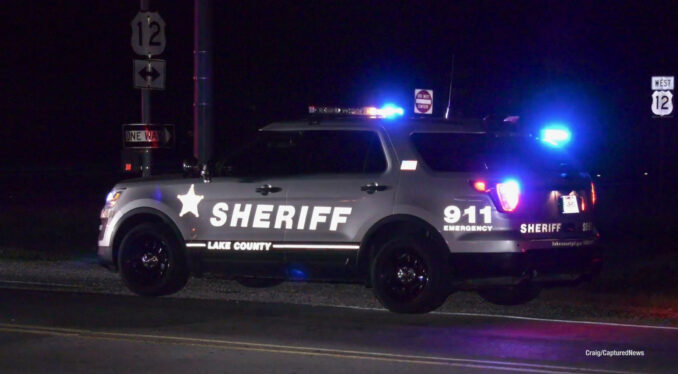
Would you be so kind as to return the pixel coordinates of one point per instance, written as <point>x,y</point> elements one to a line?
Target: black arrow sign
<point>153,74</point>
<point>149,74</point>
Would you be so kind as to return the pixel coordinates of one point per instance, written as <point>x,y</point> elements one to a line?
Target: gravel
<point>581,303</point>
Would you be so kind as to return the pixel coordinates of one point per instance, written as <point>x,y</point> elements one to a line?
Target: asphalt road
<point>46,331</point>
<point>51,328</point>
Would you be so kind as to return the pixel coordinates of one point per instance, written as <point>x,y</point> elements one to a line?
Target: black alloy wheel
<point>408,276</point>
<point>405,275</point>
<point>151,261</point>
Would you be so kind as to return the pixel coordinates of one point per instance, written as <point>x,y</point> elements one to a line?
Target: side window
<point>282,153</point>
<point>451,151</point>
<point>341,152</point>
<point>271,154</point>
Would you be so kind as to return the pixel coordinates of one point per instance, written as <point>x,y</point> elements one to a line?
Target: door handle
<point>264,189</point>
<point>371,188</point>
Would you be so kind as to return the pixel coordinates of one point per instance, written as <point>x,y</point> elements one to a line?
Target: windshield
<point>463,152</point>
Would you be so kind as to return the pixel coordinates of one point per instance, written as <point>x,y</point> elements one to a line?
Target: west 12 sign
<point>662,98</point>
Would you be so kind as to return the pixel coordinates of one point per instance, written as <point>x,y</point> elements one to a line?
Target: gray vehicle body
<point>321,227</point>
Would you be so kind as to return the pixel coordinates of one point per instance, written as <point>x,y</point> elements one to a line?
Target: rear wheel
<point>151,261</point>
<point>511,295</point>
<point>408,276</point>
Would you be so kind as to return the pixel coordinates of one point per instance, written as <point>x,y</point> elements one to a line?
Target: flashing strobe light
<point>555,135</point>
<point>387,111</point>
<point>508,193</point>
<point>593,194</point>
<point>391,111</point>
<point>480,186</point>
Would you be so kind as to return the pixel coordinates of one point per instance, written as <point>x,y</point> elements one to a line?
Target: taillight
<point>593,194</point>
<point>508,193</point>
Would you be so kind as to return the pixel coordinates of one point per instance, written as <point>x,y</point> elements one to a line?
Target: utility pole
<point>203,129</point>
<point>144,6</point>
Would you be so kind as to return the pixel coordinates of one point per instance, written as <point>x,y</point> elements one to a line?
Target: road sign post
<point>148,39</point>
<point>662,107</point>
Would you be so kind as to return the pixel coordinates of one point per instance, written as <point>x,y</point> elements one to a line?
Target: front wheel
<point>408,276</point>
<point>151,261</point>
<point>511,295</point>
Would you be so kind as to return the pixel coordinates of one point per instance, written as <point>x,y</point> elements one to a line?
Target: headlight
<point>112,197</point>
<point>111,200</point>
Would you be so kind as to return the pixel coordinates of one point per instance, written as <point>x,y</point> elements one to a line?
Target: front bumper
<point>105,254</point>
<point>552,266</point>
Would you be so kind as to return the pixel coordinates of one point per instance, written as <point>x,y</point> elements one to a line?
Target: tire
<point>409,275</point>
<point>511,295</point>
<point>152,261</point>
<point>259,282</point>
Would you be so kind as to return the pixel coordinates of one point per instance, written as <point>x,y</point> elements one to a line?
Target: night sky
<point>67,70</point>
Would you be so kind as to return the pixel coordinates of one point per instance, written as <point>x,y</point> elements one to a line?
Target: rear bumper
<point>552,266</point>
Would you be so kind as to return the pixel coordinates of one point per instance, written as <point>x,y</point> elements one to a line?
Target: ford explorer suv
<point>413,208</point>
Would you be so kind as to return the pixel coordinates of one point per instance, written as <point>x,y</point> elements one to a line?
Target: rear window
<point>459,152</point>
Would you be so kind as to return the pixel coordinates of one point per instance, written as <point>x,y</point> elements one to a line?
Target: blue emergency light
<point>391,111</point>
<point>555,135</point>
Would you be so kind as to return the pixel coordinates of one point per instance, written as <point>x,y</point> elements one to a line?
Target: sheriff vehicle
<point>413,208</point>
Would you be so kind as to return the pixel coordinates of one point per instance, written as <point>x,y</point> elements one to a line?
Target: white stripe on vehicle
<point>316,246</point>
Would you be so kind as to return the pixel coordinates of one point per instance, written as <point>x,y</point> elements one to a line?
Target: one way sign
<point>147,136</point>
<point>149,74</point>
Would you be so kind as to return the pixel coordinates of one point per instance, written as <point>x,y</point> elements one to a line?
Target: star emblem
<point>189,202</point>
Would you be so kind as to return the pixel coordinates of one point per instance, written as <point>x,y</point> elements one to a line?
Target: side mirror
<point>205,173</point>
<point>191,167</point>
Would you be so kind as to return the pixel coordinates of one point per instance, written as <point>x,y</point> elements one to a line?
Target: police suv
<point>413,208</point>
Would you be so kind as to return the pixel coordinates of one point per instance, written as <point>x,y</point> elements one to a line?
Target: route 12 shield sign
<point>662,103</point>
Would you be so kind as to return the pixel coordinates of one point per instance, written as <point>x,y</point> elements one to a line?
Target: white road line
<point>487,315</point>
<point>558,320</point>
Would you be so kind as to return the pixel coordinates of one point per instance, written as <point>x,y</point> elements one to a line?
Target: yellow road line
<point>298,350</point>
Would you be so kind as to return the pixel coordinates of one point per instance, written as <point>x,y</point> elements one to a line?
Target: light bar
<point>387,111</point>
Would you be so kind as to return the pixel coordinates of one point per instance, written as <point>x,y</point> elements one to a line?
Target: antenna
<point>449,98</point>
